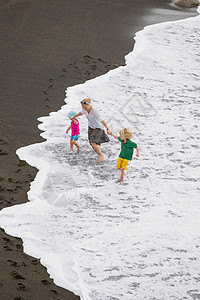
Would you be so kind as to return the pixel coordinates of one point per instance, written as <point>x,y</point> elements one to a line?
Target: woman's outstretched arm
<point>77,115</point>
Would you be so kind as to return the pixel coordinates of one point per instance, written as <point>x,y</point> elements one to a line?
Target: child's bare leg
<point>97,149</point>
<point>77,145</point>
<point>71,144</point>
<point>122,174</point>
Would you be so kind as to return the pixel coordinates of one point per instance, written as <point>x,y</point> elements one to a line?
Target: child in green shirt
<point>127,147</point>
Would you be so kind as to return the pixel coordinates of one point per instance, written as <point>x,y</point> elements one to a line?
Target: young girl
<point>127,147</point>
<point>74,131</point>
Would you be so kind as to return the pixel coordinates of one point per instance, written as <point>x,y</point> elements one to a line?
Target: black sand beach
<point>47,46</point>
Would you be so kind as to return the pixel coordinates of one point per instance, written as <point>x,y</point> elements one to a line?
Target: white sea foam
<point>140,239</point>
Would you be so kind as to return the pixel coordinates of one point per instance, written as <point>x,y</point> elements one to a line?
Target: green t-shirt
<point>127,149</point>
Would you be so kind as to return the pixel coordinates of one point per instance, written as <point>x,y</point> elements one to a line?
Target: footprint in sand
<point>21,287</point>
<point>21,163</point>
<point>12,262</point>
<point>3,142</point>
<point>17,275</point>
<point>2,152</point>
<point>55,292</point>
<point>35,262</point>
<point>19,247</point>
<point>6,239</point>
<point>46,282</point>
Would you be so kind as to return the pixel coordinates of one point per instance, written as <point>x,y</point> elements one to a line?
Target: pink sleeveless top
<point>75,128</point>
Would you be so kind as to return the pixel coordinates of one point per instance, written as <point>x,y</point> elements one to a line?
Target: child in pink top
<point>74,131</point>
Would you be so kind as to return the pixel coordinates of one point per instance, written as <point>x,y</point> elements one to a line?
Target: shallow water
<point>139,239</point>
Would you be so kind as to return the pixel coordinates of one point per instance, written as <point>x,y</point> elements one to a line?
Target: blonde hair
<point>87,100</point>
<point>127,133</point>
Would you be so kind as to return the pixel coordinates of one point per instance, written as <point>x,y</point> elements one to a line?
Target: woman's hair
<point>86,101</point>
<point>126,133</point>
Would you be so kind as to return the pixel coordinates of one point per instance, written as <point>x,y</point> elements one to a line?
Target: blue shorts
<point>75,137</point>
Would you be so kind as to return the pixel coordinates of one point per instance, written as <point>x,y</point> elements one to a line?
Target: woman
<point>96,134</point>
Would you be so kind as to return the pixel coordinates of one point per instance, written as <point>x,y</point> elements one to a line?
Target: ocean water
<point>139,239</point>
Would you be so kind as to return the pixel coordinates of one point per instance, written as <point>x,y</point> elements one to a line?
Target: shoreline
<point>37,81</point>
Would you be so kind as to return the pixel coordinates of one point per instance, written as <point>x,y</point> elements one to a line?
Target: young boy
<point>74,131</point>
<point>127,147</point>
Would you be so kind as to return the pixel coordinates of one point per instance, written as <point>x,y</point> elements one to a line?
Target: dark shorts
<point>97,136</point>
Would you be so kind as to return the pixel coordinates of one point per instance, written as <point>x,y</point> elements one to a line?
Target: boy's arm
<point>77,115</point>
<point>75,122</point>
<point>114,135</point>
<point>68,128</point>
<point>137,154</point>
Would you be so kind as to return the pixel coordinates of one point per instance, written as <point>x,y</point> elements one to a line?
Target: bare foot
<point>100,158</point>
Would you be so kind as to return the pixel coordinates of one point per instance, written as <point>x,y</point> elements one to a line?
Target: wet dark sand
<point>47,46</point>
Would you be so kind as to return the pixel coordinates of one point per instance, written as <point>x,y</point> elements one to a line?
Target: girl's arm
<point>77,115</point>
<point>68,128</point>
